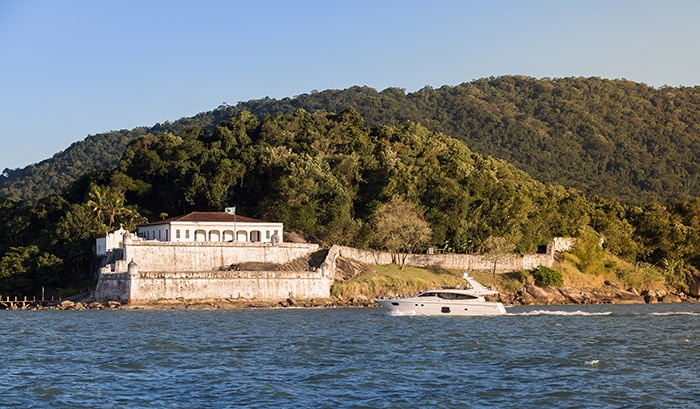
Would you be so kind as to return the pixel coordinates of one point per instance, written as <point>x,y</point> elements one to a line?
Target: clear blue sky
<point>72,68</point>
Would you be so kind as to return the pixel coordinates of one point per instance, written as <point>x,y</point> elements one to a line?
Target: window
<point>267,234</point>
<point>187,234</point>
<point>177,233</point>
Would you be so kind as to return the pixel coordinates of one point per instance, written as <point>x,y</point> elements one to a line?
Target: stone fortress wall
<point>466,262</point>
<point>153,270</point>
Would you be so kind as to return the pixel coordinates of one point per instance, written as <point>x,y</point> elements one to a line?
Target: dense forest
<point>341,181</point>
<point>613,138</point>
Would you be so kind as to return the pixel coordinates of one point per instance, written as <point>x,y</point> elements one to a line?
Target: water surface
<point>625,356</point>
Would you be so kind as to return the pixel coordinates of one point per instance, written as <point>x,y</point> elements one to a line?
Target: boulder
<point>95,305</point>
<point>525,298</point>
<point>626,297</point>
<point>670,298</point>
<point>538,294</point>
<point>613,285</point>
<point>573,296</point>
<point>114,304</point>
<point>66,304</point>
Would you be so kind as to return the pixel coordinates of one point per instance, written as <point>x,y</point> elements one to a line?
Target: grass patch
<point>613,269</point>
<point>389,281</point>
<point>641,276</point>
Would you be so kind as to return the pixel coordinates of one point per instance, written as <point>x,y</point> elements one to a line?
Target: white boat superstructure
<point>447,301</point>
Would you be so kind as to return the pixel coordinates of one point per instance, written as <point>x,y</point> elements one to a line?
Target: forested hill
<point>402,189</point>
<point>614,138</point>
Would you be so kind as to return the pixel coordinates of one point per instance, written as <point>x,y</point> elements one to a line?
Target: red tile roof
<point>217,217</point>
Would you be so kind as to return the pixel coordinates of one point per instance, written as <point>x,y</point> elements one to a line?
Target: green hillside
<point>614,138</point>
<point>333,178</point>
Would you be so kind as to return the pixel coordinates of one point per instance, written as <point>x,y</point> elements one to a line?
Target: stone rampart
<point>467,262</point>
<point>112,286</point>
<point>168,270</point>
<point>256,285</point>
<point>205,256</point>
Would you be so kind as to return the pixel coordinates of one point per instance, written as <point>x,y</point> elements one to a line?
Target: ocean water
<point>603,356</point>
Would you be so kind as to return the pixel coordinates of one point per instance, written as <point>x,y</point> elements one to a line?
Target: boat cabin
<point>449,295</point>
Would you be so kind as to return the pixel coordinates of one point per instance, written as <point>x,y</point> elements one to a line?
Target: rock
<point>626,297</point>
<point>538,294</point>
<point>556,297</point>
<point>65,304</point>
<point>670,298</point>
<point>572,296</point>
<point>114,304</point>
<point>506,298</point>
<point>613,285</point>
<point>96,305</point>
<point>525,298</point>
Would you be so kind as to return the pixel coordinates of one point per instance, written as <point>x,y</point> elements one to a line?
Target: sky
<point>74,68</point>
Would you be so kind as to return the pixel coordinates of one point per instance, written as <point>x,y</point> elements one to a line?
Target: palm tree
<point>107,202</point>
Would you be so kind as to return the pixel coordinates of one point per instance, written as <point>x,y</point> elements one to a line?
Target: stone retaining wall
<point>204,256</point>
<point>257,285</point>
<point>167,270</point>
<point>467,262</point>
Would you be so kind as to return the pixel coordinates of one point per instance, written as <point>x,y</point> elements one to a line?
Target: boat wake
<point>398,313</point>
<point>697,314</point>
<point>561,313</point>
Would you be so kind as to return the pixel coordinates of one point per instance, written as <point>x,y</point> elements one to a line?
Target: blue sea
<point>601,356</point>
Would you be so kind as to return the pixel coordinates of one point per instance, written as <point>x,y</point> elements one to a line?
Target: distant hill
<point>613,138</point>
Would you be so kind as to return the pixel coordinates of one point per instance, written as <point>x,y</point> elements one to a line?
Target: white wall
<point>469,262</point>
<point>187,232</point>
<point>205,256</point>
<point>258,285</point>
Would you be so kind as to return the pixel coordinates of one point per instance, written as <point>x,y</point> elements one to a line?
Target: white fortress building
<point>212,227</point>
<point>193,257</point>
<point>199,256</point>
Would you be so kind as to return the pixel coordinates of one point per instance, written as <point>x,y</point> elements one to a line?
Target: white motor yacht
<point>467,300</point>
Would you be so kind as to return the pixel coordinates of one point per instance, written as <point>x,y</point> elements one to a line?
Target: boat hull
<point>407,306</point>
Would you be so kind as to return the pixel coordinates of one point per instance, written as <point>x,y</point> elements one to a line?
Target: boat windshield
<point>449,296</point>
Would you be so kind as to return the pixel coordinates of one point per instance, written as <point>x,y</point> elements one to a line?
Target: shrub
<point>546,277</point>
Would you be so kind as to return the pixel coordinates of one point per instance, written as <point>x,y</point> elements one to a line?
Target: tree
<point>496,248</point>
<point>107,203</point>
<point>400,228</point>
<point>23,269</point>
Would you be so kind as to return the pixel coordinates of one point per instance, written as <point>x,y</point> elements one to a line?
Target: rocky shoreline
<point>610,294</point>
<point>528,295</point>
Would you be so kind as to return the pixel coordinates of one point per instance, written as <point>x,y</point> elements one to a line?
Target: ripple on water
<point>579,356</point>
